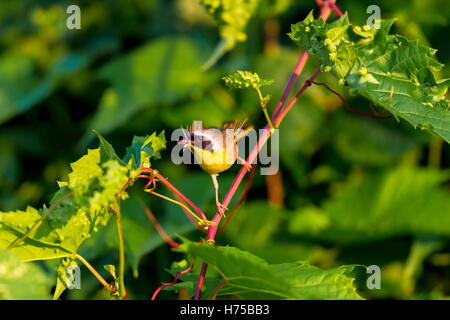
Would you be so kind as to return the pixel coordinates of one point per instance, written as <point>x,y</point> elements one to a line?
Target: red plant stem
<point>125,186</point>
<point>240,201</point>
<point>183,206</point>
<point>375,115</point>
<point>325,9</point>
<point>172,283</point>
<point>283,112</point>
<point>176,191</point>
<point>324,14</point>
<point>160,229</point>
<point>201,281</point>
<point>149,182</point>
<point>333,7</point>
<point>177,197</point>
<point>295,73</point>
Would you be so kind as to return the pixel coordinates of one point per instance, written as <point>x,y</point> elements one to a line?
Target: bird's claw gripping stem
<point>206,223</point>
<point>221,209</point>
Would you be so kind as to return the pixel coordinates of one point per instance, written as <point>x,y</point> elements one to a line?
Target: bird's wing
<point>242,133</point>
<point>241,130</point>
<point>234,124</point>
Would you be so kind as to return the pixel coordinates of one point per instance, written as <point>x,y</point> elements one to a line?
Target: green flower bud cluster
<point>245,79</point>
<point>232,17</point>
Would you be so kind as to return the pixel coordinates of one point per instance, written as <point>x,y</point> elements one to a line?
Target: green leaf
<point>19,88</point>
<point>67,226</point>
<point>30,249</point>
<point>83,170</point>
<point>273,8</point>
<point>253,278</point>
<point>77,210</point>
<point>391,71</point>
<point>259,236</point>
<point>161,71</point>
<point>365,141</point>
<point>396,203</point>
<point>22,280</point>
<point>59,235</point>
<point>218,103</point>
<point>232,17</point>
<point>22,85</point>
<point>309,220</point>
<point>106,150</point>
<point>95,185</point>
<point>40,245</point>
<point>142,149</point>
<point>247,232</point>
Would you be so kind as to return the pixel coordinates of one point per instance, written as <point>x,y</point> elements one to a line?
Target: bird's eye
<point>201,141</point>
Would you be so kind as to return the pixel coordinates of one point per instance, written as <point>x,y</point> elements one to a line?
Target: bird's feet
<point>221,209</point>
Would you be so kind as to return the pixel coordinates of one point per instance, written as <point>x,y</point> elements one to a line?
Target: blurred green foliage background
<point>351,189</point>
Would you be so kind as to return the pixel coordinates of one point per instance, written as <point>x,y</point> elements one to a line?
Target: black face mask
<point>199,140</point>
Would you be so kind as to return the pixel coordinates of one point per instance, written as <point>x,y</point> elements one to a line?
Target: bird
<point>216,150</point>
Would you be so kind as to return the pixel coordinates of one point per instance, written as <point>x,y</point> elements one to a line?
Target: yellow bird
<point>216,149</point>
